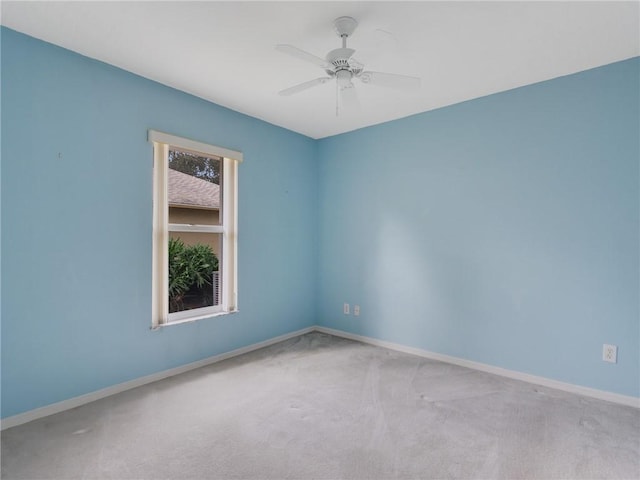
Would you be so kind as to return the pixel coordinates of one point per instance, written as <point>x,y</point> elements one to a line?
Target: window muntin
<point>195,229</point>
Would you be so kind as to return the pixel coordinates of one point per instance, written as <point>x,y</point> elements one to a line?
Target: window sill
<point>193,319</point>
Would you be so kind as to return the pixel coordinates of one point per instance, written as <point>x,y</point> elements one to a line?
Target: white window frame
<point>162,143</point>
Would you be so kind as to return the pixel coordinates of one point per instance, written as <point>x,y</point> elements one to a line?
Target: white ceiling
<point>224,51</point>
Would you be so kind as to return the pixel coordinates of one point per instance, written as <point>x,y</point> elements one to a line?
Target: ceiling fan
<point>340,65</point>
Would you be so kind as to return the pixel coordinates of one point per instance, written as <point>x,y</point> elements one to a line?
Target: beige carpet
<point>319,407</point>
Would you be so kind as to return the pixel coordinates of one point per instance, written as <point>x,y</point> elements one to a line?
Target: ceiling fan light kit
<point>340,65</point>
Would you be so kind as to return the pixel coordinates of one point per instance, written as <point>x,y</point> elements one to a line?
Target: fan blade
<point>302,55</point>
<point>303,86</point>
<point>392,80</point>
<point>350,98</point>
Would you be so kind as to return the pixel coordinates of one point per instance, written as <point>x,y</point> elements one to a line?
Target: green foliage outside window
<point>191,270</point>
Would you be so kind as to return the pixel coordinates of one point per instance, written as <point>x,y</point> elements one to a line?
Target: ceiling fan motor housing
<point>339,58</point>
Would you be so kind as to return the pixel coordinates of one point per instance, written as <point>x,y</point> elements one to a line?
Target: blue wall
<point>76,226</point>
<point>502,230</point>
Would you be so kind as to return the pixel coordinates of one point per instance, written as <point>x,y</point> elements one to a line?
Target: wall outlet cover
<point>609,353</point>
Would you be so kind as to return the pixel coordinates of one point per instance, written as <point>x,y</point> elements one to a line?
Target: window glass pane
<point>194,271</point>
<point>194,188</point>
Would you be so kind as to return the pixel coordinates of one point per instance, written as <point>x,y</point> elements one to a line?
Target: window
<point>194,229</point>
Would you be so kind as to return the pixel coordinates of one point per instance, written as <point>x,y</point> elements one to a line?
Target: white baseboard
<point>525,377</point>
<point>74,402</point>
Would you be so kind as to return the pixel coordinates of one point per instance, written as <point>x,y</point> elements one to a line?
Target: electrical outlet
<point>356,310</point>
<point>609,353</point>
<point>345,309</point>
